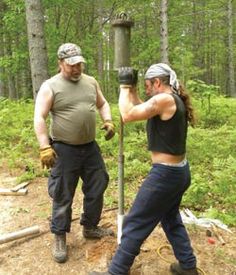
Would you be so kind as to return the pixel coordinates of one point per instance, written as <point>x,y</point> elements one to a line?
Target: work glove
<point>109,127</point>
<point>47,156</point>
<point>128,76</point>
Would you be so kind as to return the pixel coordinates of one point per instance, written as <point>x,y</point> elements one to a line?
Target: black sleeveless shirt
<point>169,136</point>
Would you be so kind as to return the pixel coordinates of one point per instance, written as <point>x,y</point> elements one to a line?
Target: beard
<point>151,93</point>
<point>75,78</point>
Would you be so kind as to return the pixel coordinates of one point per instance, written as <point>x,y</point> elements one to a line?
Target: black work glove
<point>128,76</point>
<point>109,127</point>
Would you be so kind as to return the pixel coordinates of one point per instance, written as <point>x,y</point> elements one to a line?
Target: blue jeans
<point>74,162</point>
<point>158,200</point>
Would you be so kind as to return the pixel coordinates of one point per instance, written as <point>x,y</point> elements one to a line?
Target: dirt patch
<point>32,255</point>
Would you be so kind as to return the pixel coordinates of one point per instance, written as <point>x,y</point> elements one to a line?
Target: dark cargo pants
<point>74,162</point>
<point>158,200</point>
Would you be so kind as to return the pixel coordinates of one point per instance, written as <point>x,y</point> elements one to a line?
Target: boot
<point>96,232</point>
<point>176,269</point>
<point>59,250</point>
<point>102,273</point>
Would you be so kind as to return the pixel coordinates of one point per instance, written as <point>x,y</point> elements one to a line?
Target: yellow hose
<point>167,246</point>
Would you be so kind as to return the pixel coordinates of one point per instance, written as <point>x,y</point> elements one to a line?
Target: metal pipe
<point>122,26</point>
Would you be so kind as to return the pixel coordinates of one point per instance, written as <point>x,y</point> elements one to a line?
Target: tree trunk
<point>11,86</point>
<point>164,31</point>
<point>37,44</point>
<point>100,42</point>
<point>232,91</point>
<point>12,93</point>
<point>3,89</point>
<point>26,82</point>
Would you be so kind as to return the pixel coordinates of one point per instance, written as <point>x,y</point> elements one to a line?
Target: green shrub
<point>212,156</point>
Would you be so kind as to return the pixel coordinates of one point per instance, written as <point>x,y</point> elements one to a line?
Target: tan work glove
<point>110,129</point>
<point>47,156</point>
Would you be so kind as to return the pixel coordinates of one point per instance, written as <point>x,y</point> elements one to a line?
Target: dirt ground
<point>32,255</point>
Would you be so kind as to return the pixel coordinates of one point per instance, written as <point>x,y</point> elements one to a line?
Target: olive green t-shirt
<point>73,113</point>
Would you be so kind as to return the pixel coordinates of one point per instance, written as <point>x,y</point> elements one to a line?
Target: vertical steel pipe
<point>122,28</point>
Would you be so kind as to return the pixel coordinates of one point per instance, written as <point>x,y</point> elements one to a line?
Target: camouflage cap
<point>71,53</point>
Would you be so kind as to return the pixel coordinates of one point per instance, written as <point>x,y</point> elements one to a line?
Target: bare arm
<point>42,107</point>
<point>134,98</point>
<point>131,110</point>
<point>102,105</point>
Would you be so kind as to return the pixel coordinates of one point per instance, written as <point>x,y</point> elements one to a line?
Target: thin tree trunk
<point>198,27</point>
<point>164,31</point>
<point>11,86</point>
<point>100,42</point>
<point>26,83</point>
<point>37,44</point>
<point>232,90</point>
<point>10,76</point>
<point>3,89</point>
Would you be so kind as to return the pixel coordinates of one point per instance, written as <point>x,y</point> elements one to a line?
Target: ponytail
<point>184,96</point>
<point>188,105</point>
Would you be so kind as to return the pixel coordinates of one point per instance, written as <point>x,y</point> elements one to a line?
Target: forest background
<point>200,48</point>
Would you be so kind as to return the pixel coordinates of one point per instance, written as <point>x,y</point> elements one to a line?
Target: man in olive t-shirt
<point>72,98</point>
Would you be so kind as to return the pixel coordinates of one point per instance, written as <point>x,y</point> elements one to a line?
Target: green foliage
<point>201,89</point>
<point>17,138</point>
<point>212,156</point>
<point>215,112</point>
<point>210,147</point>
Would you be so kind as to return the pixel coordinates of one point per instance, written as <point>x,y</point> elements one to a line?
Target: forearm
<point>41,132</point>
<point>134,96</point>
<point>105,111</point>
<point>128,99</point>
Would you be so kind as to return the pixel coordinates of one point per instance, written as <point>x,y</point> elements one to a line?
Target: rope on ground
<point>167,246</point>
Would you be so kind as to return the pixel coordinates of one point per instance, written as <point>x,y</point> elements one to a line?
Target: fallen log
<point>20,186</point>
<point>26,232</point>
<point>9,192</point>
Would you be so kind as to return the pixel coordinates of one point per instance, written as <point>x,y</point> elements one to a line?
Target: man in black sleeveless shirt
<point>168,114</point>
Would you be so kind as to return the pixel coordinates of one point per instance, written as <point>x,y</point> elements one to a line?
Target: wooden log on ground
<point>20,186</point>
<point>26,232</point>
<point>9,192</point>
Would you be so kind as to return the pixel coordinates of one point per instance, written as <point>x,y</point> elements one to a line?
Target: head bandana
<point>159,69</point>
